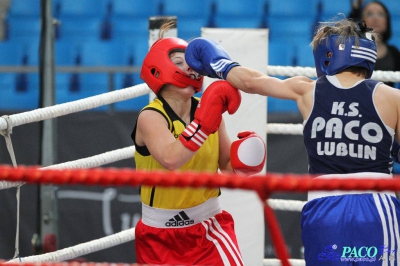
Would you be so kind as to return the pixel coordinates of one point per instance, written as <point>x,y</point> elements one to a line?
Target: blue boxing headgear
<point>332,56</point>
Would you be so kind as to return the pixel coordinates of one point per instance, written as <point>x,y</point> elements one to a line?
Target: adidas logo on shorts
<point>181,219</point>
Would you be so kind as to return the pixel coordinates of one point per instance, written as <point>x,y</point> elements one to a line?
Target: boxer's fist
<point>248,153</point>
<point>219,97</point>
<point>208,58</point>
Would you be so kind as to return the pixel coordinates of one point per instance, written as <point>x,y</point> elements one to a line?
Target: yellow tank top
<point>205,160</point>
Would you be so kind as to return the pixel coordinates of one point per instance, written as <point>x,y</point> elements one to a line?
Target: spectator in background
<point>377,16</point>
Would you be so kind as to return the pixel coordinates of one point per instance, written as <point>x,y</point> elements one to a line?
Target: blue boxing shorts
<point>352,229</point>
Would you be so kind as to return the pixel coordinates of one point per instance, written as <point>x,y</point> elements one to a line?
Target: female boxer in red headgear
<point>186,226</point>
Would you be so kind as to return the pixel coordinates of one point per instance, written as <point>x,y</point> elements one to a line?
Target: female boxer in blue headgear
<point>350,123</point>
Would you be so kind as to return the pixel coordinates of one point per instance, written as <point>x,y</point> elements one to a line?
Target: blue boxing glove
<point>396,152</point>
<point>208,58</point>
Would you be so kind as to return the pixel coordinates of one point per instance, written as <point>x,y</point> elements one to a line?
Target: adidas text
<point>179,223</point>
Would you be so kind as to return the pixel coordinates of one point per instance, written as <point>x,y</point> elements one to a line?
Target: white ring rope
<point>89,162</point>
<point>286,205</point>
<point>276,262</point>
<point>289,71</point>
<point>76,106</point>
<point>97,160</point>
<point>385,76</point>
<point>81,249</point>
<point>126,153</point>
<point>142,89</point>
<point>284,129</point>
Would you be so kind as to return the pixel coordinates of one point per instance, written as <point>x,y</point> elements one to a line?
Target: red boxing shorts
<point>209,242</point>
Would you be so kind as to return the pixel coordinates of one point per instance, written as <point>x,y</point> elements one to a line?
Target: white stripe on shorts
<point>218,239</point>
<point>396,227</point>
<point>394,236</point>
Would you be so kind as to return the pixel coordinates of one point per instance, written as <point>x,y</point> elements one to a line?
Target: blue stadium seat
<point>11,54</point>
<point>97,53</point>
<point>187,9</point>
<point>280,53</point>
<point>95,82</point>
<point>293,30</point>
<point>239,8</point>
<point>239,14</point>
<point>141,49</point>
<point>25,8</point>
<point>331,9</point>
<point>24,28</point>
<point>123,80</point>
<point>237,22</point>
<point>30,54</point>
<point>191,15</point>
<point>73,86</point>
<point>80,29</point>
<point>293,8</point>
<point>19,53</point>
<point>135,9</point>
<point>83,8</point>
<point>305,57</point>
<point>112,53</point>
<point>189,28</point>
<point>91,85</point>
<point>17,98</point>
<point>129,29</point>
<point>66,52</point>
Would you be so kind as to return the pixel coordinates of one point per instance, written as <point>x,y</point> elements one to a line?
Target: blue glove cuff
<point>234,64</point>
<point>222,67</point>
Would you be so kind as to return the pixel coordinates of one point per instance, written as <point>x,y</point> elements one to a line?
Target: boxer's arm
<point>209,59</point>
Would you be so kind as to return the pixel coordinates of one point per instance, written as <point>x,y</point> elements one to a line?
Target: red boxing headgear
<point>158,69</point>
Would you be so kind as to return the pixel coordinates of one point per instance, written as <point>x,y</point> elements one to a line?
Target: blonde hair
<point>167,24</point>
<point>344,28</point>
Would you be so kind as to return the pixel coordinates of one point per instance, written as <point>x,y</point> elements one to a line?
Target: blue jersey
<point>344,132</point>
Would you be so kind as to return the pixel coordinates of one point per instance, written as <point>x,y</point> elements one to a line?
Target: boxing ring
<point>86,171</point>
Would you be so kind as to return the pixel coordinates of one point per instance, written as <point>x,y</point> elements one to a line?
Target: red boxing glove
<point>219,97</point>
<point>248,153</point>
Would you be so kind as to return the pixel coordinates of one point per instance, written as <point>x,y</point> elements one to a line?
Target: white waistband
<point>319,194</point>
<point>162,218</point>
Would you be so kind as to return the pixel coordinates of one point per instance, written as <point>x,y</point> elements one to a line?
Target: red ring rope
<point>262,184</point>
<point>270,182</point>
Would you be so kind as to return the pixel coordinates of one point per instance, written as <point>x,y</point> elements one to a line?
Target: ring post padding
<point>249,48</point>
